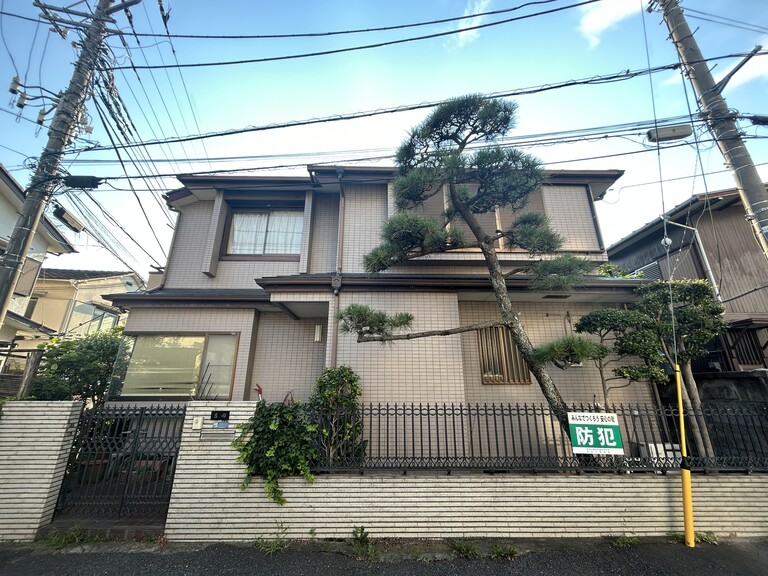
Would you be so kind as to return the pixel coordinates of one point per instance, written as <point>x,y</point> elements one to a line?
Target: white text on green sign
<point>595,433</point>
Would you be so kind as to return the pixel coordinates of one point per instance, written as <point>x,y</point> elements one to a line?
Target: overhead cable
<point>594,80</point>
<point>364,47</point>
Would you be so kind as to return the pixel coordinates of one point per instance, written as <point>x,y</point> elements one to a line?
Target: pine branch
<point>361,337</point>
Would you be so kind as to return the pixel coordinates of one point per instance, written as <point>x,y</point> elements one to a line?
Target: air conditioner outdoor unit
<point>667,454</point>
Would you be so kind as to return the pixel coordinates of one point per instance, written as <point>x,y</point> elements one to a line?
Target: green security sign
<point>595,433</point>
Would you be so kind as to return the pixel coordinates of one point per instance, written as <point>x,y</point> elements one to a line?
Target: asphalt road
<point>737,557</point>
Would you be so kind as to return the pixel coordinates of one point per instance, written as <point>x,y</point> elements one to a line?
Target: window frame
<point>115,393</point>
<point>265,256</point>
<point>501,362</point>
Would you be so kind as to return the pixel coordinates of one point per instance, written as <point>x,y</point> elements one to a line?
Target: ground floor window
<point>500,359</point>
<point>163,366</point>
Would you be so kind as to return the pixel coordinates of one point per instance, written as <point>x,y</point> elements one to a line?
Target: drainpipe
<point>67,320</point>
<point>704,259</point>
<point>336,281</point>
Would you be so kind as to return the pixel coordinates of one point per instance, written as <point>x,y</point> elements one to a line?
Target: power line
<point>623,130</point>
<point>164,17</point>
<point>343,32</point>
<point>138,200</point>
<point>594,80</point>
<point>364,47</point>
<point>747,28</point>
<point>2,34</point>
<point>385,157</point>
<point>725,21</point>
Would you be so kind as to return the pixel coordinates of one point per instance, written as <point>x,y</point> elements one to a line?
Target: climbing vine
<point>285,439</point>
<point>274,443</point>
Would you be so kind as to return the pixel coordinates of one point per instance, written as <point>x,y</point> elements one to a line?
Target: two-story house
<point>18,324</point>
<point>71,302</point>
<point>710,238</point>
<point>259,267</point>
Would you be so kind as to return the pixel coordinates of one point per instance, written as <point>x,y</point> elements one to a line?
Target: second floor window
<point>266,232</point>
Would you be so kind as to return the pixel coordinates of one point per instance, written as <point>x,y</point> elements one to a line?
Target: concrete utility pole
<point>62,130</point>
<point>720,121</point>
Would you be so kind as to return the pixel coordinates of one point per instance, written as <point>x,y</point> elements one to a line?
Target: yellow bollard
<point>685,469</point>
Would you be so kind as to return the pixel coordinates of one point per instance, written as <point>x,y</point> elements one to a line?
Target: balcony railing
<point>505,437</point>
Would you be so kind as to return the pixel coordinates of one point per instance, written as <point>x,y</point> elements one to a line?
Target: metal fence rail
<point>122,462</point>
<point>502,437</point>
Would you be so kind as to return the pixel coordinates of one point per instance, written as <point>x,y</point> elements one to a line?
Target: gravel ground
<point>737,557</point>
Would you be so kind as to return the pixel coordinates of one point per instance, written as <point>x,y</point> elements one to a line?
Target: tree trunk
<point>693,392</point>
<point>509,317</point>
<point>693,424</point>
<point>30,371</point>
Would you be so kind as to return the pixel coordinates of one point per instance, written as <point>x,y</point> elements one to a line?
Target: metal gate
<point>122,462</point>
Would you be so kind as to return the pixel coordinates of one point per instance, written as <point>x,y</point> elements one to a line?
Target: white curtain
<point>284,234</point>
<point>246,236</point>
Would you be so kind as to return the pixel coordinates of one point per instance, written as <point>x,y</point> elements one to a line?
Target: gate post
<point>35,442</point>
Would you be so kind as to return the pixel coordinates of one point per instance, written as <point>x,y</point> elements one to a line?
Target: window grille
<point>500,360</point>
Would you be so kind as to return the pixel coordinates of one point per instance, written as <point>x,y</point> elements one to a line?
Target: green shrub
<point>77,368</point>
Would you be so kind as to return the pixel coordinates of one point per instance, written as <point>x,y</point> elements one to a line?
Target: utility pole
<point>62,130</point>
<point>720,121</point>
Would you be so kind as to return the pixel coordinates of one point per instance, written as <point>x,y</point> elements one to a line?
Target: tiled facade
<point>421,370</point>
<point>288,334</point>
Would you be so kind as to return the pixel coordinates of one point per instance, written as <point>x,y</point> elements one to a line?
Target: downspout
<point>704,259</point>
<point>67,320</point>
<point>336,281</point>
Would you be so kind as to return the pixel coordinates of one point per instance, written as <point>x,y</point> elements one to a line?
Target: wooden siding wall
<point>737,263</point>
<point>736,259</point>
<point>208,505</point>
<point>35,441</point>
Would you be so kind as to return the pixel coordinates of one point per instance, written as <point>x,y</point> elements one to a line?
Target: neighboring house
<point>723,251</point>
<point>259,266</point>
<point>70,301</point>
<point>18,325</point>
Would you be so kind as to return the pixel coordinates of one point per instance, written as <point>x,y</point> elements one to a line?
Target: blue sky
<point>596,39</point>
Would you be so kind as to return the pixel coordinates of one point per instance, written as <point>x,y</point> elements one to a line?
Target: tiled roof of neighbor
<point>56,274</point>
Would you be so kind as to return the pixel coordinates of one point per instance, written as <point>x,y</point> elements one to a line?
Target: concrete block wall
<point>35,442</point>
<point>208,505</point>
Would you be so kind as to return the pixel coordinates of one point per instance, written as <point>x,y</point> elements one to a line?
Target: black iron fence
<point>122,462</point>
<point>503,437</point>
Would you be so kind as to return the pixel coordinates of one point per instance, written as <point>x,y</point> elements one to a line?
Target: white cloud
<point>599,17</point>
<point>473,7</point>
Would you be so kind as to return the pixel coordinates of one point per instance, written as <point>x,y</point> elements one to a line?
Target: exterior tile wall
<point>544,323</point>
<point>422,370</point>
<point>325,233</point>
<point>365,212</point>
<point>198,321</point>
<point>286,358</point>
<point>35,441</point>
<point>570,214</point>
